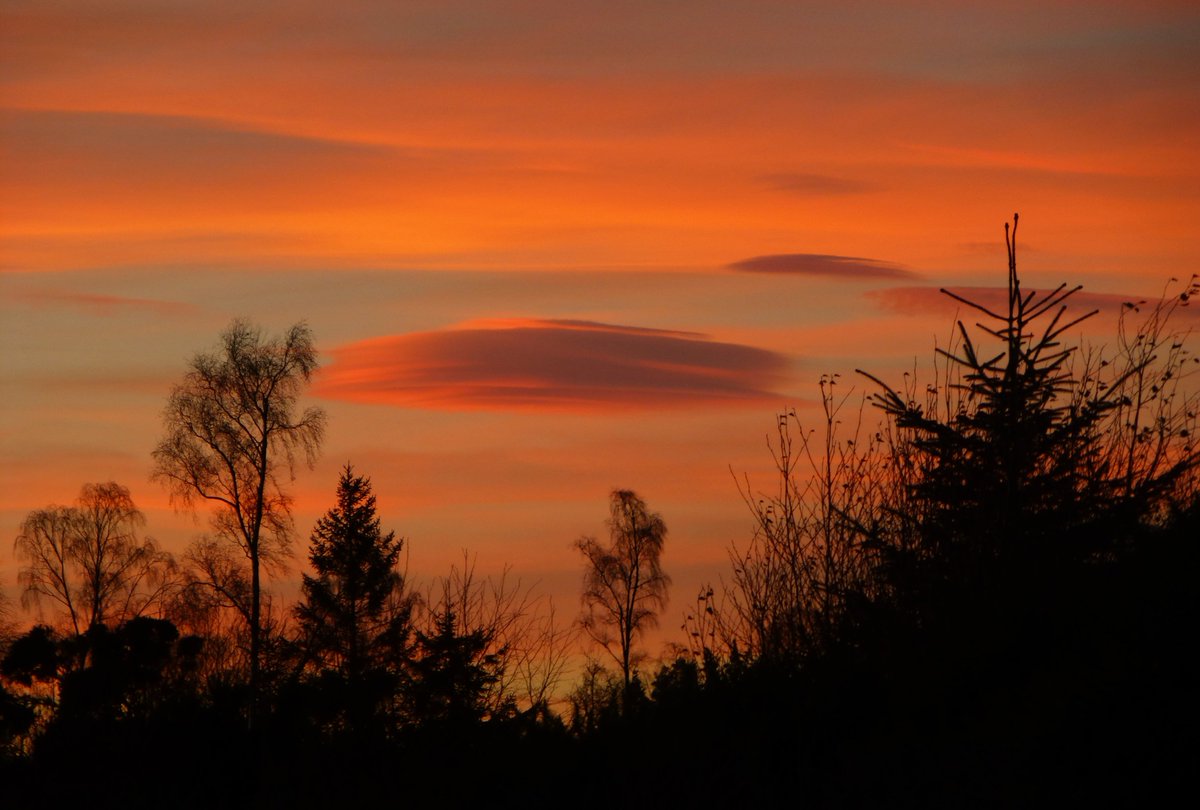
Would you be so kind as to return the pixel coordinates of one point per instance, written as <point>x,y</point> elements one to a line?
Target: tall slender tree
<point>624,585</point>
<point>233,430</point>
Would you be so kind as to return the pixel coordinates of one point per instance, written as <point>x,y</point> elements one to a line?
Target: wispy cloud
<point>820,264</point>
<point>555,365</point>
<point>144,139</point>
<point>813,184</point>
<point>99,303</point>
<point>102,171</point>
<point>118,383</point>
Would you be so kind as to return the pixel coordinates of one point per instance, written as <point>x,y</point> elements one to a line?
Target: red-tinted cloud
<point>527,364</point>
<point>819,264</point>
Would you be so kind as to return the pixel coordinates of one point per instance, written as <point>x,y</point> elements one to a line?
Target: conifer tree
<point>999,463</point>
<point>1017,454</point>
<point>355,612</point>
<point>453,674</point>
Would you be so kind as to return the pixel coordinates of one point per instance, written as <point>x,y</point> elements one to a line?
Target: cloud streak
<point>813,184</point>
<point>101,304</point>
<point>134,140</point>
<point>820,264</point>
<point>549,365</point>
<point>105,171</point>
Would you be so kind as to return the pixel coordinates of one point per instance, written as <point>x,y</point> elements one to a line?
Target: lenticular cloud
<point>529,364</point>
<point>846,268</point>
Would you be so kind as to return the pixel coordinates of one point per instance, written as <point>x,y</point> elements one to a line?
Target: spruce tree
<point>355,612</point>
<point>1029,604</point>
<point>453,674</point>
<point>1006,448</point>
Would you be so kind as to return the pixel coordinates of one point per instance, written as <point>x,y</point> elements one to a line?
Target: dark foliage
<point>452,672</point>
<point>33,656</point>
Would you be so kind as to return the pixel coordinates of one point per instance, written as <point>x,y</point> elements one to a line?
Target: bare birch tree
<point>233,431</point>
<point>88,561</point>
<point>624,585</point>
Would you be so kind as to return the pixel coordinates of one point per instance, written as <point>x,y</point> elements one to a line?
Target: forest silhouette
<point>974,591</point>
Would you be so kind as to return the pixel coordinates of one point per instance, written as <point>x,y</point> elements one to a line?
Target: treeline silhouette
<point>972,592</point>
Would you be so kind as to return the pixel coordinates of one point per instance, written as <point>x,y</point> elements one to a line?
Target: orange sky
<point>548,249</point>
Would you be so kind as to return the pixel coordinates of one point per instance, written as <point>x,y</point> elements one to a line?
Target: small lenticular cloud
<point>550,365</point>
<point>820,264</point>
<point>813,184</point>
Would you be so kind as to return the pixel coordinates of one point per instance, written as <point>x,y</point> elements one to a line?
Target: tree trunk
<point>255,634</point>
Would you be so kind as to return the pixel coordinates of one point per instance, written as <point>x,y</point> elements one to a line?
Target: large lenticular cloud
<point>553,365</point>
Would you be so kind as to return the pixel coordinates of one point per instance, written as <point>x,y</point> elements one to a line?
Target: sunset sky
<point>552,248</point>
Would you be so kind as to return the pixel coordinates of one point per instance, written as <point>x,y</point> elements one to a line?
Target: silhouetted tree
<point>82,698</point>
<point>6,618</point>
<point>981,592</point>
<point>487,645</point>
<point>624,586</point>
<point>1149,431</point>
<point>32,656</point>
<point>1030,461</point>
<point>17,710</point>
<point>214,602</point>
<point>33,666</point>
<point>527,650</point>
<point>232,429</point>
<point>16,719</point>
<point>355,614</point>
<point>1013,607</point>
<point>452,675</point>
<point>596,699</point>
<point>88,560</point>
<point>132,670</point>
<point>8,626</point>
